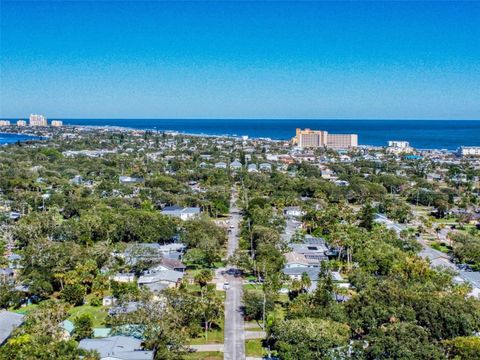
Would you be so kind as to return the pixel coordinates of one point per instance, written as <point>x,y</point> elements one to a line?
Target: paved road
<point>234,343</point>
<point>207,347</point>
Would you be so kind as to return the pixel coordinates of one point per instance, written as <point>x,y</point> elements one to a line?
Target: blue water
<point>422,134</point>
<point>13,138</point>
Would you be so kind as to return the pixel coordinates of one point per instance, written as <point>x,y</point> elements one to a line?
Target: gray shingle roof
<point>117,347</point>
<point>8,322</point>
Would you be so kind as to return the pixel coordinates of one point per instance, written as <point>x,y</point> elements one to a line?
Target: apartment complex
<point>21,123</point>
<point>469,151</point>
<point>398,147</point>
<point>399,144</point>
<point>318,138</point>
<point>57,123</point>
<point>4,123</point>
<point>38,120</point>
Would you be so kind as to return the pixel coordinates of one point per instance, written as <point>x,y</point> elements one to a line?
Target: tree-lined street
<point>234,327</point>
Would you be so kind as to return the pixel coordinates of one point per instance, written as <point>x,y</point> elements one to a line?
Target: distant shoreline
<point>422,134</point>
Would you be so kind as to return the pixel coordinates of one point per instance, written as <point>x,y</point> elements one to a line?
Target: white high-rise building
<point>21,123</point>
<point>57,123</point>
<point>38,120</point>
<point>399,144</point>
<point>4,123</point>
<point>468,151</point>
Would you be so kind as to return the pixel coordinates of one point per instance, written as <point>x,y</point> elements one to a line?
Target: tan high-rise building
<point>342,141</point>
<point>317,138</point>
<point>310,138</point>
<point>4,122</point>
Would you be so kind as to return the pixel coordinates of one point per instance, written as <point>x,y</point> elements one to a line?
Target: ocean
<point>422,134</point>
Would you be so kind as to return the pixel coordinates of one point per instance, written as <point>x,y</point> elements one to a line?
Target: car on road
<point>464,267</point>
<point>226,285</point>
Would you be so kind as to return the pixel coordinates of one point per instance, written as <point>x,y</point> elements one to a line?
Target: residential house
<point>293,212</point>
<point>159,280</point>
<point>9,321</point>
<point>77,180</point>
<point>123,277</point>
<point>172,264</point>
<point>295,273</point>
<point>117,348</point>
<point>265,167</point>
<point>14,215</point>
<point>7,275</point>
<point>235,165</point>
<point>109,301</point>
<point>221,165</point>
<point>127,180</point>
<point>124,308</point>
<point>341,183</point>
<point>295,260</point>
<point>314,253</point>
<point>153,251</point>
<point>184,213</point>
<point>252,168</point>
<point>14,261</point>
<point>328,174</point>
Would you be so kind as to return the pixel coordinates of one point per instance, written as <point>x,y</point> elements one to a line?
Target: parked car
<point>226,285</point>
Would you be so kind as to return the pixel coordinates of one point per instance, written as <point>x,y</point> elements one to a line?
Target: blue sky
<point>402,60</point>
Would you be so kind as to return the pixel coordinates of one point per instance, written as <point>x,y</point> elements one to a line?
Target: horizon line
<point>239,118</point>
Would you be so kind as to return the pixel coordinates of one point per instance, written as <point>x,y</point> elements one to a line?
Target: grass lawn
<point>449,221</point>
<point>215,336</point>
<point>98,313</point>
<point>25,310</point>
<point>257,287</point>
<point>440,246</point>
<point>424,210</point>
<point>254,348</point>
<point>252,325</point>
<point>207,355</point>
<point>283,299</point>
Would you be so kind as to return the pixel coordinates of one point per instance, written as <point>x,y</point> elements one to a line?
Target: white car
<point>226,285</point>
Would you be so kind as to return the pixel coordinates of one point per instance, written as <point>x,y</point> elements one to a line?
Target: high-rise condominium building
<point>399,144</point>
<point>318,138</point>
<point>21,123</point>
<point>38,120</point>
<point>4,122</point>
<point>57,123</point>
<point>342,141</point>
<point>468,151</point>
<point>310,138</point>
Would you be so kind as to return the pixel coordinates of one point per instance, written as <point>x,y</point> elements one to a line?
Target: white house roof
<point>164,275</point>
<point>117,347</point>
<point>8,322</point>
<point>178,210</point>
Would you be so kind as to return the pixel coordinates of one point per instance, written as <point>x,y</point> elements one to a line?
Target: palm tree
<point>203,277</point>
<point>305,282</point>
